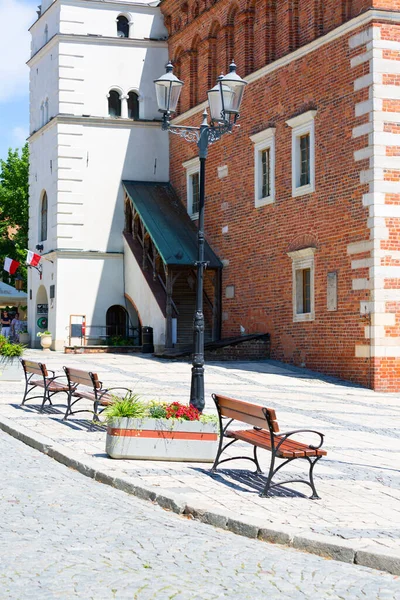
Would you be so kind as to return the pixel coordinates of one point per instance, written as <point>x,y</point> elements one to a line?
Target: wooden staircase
<point>184,297</point>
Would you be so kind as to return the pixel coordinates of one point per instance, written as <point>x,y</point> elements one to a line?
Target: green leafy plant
<point>119,340</point>
<point>42,333</point>
<point>130,406</point>
<point>9,350</point>
<point>157,411</point>
<point>133,407</point>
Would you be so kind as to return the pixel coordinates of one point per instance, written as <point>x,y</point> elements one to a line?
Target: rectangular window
<point>192,168</point>
<point>305,159</point>
<point>264,167</point>
<point>303,284</point>
<point>303,153</point>
<point>265,173</point>
<point>195,183</point>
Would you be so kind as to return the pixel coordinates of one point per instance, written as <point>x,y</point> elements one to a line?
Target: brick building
<point>303,200</point>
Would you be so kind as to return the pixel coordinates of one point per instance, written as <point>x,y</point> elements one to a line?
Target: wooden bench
<point>86,385</point>
<point>37,376</point>
<point>264,434</point>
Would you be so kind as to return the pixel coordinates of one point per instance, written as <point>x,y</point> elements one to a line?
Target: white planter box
<point>10,369</point>
<point>162,439</point>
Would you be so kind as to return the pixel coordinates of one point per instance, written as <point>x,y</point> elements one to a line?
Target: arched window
<point>133,106</point>
<point>122,26</point>
<point>114,104</point>
<point>43,218</point>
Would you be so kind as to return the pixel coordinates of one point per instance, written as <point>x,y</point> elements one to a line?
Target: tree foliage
<point>14,207</point>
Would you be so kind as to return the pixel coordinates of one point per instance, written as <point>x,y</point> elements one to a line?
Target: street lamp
<point>224,101</point>
<point>18,282</point>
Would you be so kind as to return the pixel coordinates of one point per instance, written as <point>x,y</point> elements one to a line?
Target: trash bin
<point>147,339</point>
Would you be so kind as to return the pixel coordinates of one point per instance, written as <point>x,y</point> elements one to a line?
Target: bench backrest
<point>253,414</point>
<point>30,366</point>
<point>78,377</point>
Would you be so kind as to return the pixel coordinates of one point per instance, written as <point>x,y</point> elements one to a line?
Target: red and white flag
<point>11,265</point>
<point>33,259</point>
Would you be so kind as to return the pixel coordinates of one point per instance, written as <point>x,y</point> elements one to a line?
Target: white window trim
<point>303,259</point>
<point>192,166</point>
<point>264,140</point>
<point>301,125</point>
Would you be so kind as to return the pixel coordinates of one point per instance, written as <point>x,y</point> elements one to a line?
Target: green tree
<point>14,208</point>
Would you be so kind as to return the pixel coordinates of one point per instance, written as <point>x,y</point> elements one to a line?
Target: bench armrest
<point>284,436</point>
<point>54,373</point>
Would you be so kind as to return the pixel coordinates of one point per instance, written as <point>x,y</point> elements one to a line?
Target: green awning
<point>170,227</point>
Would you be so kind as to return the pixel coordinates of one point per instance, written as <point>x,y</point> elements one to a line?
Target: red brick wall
<point>258,240</point>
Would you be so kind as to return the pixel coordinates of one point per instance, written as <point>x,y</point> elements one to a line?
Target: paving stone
<point>359,480</point>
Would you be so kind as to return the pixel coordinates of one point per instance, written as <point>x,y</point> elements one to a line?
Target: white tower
<point>92,111</point>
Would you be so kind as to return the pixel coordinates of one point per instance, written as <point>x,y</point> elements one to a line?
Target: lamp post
<point>224,101</point>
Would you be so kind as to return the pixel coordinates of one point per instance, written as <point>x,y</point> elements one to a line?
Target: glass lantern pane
<point>215,101</point>
<point>175,93</point>
<point>162,92</point>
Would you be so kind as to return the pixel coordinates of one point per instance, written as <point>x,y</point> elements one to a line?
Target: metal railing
<point>105,335</point>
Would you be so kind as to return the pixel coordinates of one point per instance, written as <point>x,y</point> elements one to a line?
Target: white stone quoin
<point>80,154</point>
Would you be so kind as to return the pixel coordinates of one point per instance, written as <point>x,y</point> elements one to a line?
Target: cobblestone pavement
<point>359,480</point>
<point>66,536</point>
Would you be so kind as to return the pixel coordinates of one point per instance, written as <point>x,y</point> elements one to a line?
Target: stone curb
<point>320,545</point>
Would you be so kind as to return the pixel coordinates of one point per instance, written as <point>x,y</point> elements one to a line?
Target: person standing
<point>15,327</point>
<point>5,324</point>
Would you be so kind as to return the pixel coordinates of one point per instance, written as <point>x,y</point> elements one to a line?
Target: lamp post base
<point>197,383</point>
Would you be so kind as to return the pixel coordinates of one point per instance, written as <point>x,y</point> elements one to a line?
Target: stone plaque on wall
<point>332,291</point>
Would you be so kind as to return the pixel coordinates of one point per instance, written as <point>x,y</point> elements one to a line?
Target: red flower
<point>175,410</point>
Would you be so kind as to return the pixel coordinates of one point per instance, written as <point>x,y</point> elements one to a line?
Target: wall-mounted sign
<point>42,323</point>
<point>42,309</point>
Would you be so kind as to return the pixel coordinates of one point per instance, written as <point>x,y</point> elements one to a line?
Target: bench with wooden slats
<point>86,385</point>
<point>37,376</point>
<point>265,435</point>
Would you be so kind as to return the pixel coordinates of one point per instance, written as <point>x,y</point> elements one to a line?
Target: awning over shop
<point>10,296</point>
<point>173,232</point>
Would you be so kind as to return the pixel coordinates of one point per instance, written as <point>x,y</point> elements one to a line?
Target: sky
<point>16,16</point>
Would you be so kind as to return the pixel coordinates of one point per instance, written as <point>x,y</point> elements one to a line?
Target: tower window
<point>114,104</point>
<point>122,26</point>
<point>133,106</point>
<point>43,218</point>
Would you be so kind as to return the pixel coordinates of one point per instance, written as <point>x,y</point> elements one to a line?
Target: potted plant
<point>10,368</point>
<point>159,431</point>
<point>24,337</point>
<point>45,339</point>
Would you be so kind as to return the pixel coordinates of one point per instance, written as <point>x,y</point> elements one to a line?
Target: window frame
<point>302,260</point>
<point>264,140</point>
<point>301,126</point>
<point>192,167</point>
